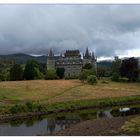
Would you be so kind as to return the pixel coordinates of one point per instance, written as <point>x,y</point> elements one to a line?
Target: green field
<point>54,91</point>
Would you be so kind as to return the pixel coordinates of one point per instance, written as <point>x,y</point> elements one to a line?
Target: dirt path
<point>98,127</point>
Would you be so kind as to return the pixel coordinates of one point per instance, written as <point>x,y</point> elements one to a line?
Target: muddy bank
<point>98,127</point>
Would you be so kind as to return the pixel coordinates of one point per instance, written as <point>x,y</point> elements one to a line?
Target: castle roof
<point>51,53</point>
<point>72,53</point>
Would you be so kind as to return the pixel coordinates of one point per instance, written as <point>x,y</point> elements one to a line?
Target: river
<point>49,124</point>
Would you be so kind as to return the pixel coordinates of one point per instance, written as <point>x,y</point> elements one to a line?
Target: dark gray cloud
<point>106,29</point>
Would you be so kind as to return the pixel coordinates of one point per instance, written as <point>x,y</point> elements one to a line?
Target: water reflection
<point>51,126</point>
<point>47,125</point>
<point>102,114</point>
<point>125,111</point>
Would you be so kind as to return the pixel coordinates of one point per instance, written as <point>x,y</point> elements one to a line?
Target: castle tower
<point>86,57</point>
<point>50,60</point>
<point>94,61</point>
<point>89,57</point>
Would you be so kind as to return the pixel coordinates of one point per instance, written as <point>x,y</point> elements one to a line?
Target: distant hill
<point>104,63</point>
<point>21,58</point>
<point>108,63</point>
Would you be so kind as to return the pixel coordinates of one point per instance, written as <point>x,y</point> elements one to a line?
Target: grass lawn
<point>52,91</point>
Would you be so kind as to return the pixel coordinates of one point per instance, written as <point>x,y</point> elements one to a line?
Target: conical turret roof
<point>50,53</point>
<point>87,54</point>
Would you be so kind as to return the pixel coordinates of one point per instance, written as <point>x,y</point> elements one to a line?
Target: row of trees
<point>121,69</point>
<point>34,70</point>
<point>127,68</point>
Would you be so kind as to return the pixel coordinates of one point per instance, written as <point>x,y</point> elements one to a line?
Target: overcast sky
<point>107,30</point>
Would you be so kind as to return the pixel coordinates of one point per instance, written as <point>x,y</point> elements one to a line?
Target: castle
<point>71,61</point>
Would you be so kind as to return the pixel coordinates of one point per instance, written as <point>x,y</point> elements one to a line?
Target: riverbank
<point>67,107</point>
<point>98,127</point>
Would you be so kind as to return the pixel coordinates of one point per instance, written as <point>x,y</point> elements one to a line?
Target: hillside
<point>104,63</point>
<point>22,58</point>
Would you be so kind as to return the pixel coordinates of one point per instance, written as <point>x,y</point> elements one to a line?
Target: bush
<point>28,107</point>
<point>115,77</point>
<point>92,79</point>
<point>85,73</point>
<point>17,109</point>
<point>51,74</point>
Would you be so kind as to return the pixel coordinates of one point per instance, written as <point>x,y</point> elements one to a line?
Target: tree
<point>16,72</point>
<point>31,71</point>
<point>116,64</point>
<point>130,69</point>
<point>115,77</point>
<point>92,79</point>
<point>103,72</point>
<point>85,73</point>
<point>60,72</point>
<point>51,74</point>
<point>87,66</point>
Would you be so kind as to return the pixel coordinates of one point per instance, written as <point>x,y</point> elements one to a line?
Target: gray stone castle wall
<point>72,65</point>
<point>50,63</point>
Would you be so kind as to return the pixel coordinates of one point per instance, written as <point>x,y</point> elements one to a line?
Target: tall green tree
<point>130,68</point>
<point>116,65</point>
<point>103,72</point>
<point>16,72</point>
<point>60,72</point>
<point>32,71</point>
<point>85,73</point>
<point>87,66</point>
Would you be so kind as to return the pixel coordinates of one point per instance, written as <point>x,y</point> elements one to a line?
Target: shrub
<point>92,79</point>
<point>27,107</point>
<point>51,74</point>
<point>115,77</point>
<point>85,73</point>
<point>17,109</point>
